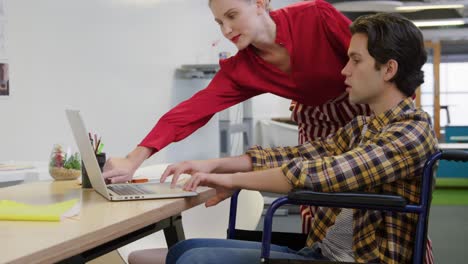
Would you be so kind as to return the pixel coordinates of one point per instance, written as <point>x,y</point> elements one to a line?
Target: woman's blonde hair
<point>267,3</point>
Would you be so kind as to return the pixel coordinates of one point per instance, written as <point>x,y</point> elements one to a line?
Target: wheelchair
<point>372,201</point>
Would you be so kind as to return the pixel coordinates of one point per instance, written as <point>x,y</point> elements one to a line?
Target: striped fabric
<point>395,131</point>
<point>325,119</point>
<point>338,244</point>
<point>429,257</point>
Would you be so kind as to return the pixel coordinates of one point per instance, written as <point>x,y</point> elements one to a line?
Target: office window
<point>453,92</point>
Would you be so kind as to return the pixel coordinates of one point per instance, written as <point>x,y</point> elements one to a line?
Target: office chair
<point>346,200</point>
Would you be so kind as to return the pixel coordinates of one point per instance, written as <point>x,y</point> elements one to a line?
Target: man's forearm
<point>270,180</point>
<point>233,164</point>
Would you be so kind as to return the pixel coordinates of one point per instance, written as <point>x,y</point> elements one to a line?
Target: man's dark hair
<point>391,36</point>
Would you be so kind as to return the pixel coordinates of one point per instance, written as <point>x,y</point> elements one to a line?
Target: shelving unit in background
<point>227,128</point>
<point>197,71</point>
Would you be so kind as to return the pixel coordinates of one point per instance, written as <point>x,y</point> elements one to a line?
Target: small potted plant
<point>64,165</point>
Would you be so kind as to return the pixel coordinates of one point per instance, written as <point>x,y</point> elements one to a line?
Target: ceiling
<point>454,38</point>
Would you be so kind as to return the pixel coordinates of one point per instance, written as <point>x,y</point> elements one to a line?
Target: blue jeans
<point>227,251</point>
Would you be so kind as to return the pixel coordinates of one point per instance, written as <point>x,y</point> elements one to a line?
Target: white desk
<point>461,146</point>
<point>459,138</point>
<point>13,177</point>
<point>101,226</point>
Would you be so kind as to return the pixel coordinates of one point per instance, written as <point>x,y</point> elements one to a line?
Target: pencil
<point>91,139</point>
<point>97,146</point>
<point>95,141</point>
<point>101,145</point>
<point>139,180</point>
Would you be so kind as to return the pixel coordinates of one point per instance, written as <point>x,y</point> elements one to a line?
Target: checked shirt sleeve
<point>383,158</point>
<point>277,157</point>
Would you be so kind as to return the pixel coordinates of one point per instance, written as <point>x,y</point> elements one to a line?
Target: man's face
<point>364,82</point>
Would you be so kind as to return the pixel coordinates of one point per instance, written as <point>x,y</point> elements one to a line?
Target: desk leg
<point>174,232</point>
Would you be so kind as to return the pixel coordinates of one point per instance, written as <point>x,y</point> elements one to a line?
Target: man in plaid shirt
<point>383,153</point>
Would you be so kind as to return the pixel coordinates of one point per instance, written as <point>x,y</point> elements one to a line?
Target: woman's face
<point>238,20</point>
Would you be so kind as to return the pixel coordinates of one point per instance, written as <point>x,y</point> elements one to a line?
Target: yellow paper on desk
<point>14,211</point>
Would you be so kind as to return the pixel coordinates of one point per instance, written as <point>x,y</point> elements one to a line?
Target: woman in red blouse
<point>296,52</point>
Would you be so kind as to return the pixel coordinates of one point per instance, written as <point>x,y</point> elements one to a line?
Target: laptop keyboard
<point>129,189</point>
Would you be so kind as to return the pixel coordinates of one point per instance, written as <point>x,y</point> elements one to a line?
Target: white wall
<point>114,60</point>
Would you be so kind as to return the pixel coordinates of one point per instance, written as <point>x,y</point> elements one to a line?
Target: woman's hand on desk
<point>222,183</point>
<point>117,170</point>
<point>187,167</point>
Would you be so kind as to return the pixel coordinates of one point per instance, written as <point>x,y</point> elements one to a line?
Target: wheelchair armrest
<point>455,155</point>
<point>339,200</point>
<point>347,200</point>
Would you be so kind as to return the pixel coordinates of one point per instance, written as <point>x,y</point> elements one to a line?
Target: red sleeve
<point>188,116</point>
<point>336,27</point>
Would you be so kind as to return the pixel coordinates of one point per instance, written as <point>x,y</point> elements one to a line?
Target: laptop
<point>116,192</point>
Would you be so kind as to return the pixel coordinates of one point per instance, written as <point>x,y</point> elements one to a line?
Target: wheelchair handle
<point>455,155</point>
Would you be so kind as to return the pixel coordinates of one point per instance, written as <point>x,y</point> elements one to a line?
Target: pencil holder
<point>85,182</point>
